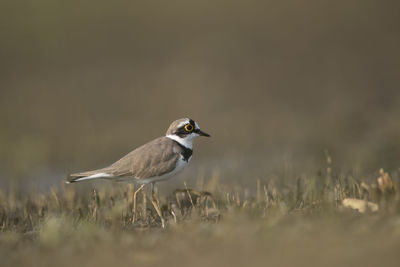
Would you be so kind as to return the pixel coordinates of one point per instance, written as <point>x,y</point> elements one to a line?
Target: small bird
<point>155,161</point>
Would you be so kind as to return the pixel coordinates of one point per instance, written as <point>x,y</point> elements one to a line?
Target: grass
<point>323,220</point>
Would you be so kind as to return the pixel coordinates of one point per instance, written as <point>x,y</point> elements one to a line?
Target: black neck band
<point>186,153</point>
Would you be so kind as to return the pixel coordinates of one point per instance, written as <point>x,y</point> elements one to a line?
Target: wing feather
<point>155,158</point>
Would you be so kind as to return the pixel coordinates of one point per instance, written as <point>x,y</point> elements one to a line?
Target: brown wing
<point>155,158</point>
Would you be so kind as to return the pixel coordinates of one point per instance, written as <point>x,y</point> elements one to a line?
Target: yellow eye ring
<point>189,127</point>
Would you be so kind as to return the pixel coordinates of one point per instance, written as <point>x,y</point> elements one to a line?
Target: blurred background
<point>276,83</point>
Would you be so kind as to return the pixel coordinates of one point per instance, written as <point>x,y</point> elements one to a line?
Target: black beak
<point>201,133</point>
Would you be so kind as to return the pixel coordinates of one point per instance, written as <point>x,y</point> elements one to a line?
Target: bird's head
<point>184,131</point>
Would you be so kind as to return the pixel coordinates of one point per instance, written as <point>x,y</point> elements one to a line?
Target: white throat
<point>186,141</point>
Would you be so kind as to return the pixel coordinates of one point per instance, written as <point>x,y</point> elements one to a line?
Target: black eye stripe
<point>182,131</point>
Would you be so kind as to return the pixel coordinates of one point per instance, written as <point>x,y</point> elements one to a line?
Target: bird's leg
<point>155,204</point>
<point>134,201</point>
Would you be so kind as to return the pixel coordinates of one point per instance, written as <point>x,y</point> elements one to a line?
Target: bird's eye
<point>189,127</point>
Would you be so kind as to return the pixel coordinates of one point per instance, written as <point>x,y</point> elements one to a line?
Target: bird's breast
<point>182,163</point>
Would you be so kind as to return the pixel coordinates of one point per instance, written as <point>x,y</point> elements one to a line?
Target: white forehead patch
<point>196,126</point>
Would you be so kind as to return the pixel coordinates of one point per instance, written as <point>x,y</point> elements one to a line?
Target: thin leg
<point>155,204</point>
<point>134,202</point>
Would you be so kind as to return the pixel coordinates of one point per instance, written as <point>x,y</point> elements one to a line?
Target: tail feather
<point>83,176</point>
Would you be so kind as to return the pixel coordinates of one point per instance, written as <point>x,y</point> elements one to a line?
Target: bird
<point>155,161</point>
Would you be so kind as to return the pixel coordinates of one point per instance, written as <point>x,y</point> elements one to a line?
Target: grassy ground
<point>303,223</point>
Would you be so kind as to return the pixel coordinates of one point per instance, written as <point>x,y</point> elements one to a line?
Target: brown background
<point>274,82</point>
